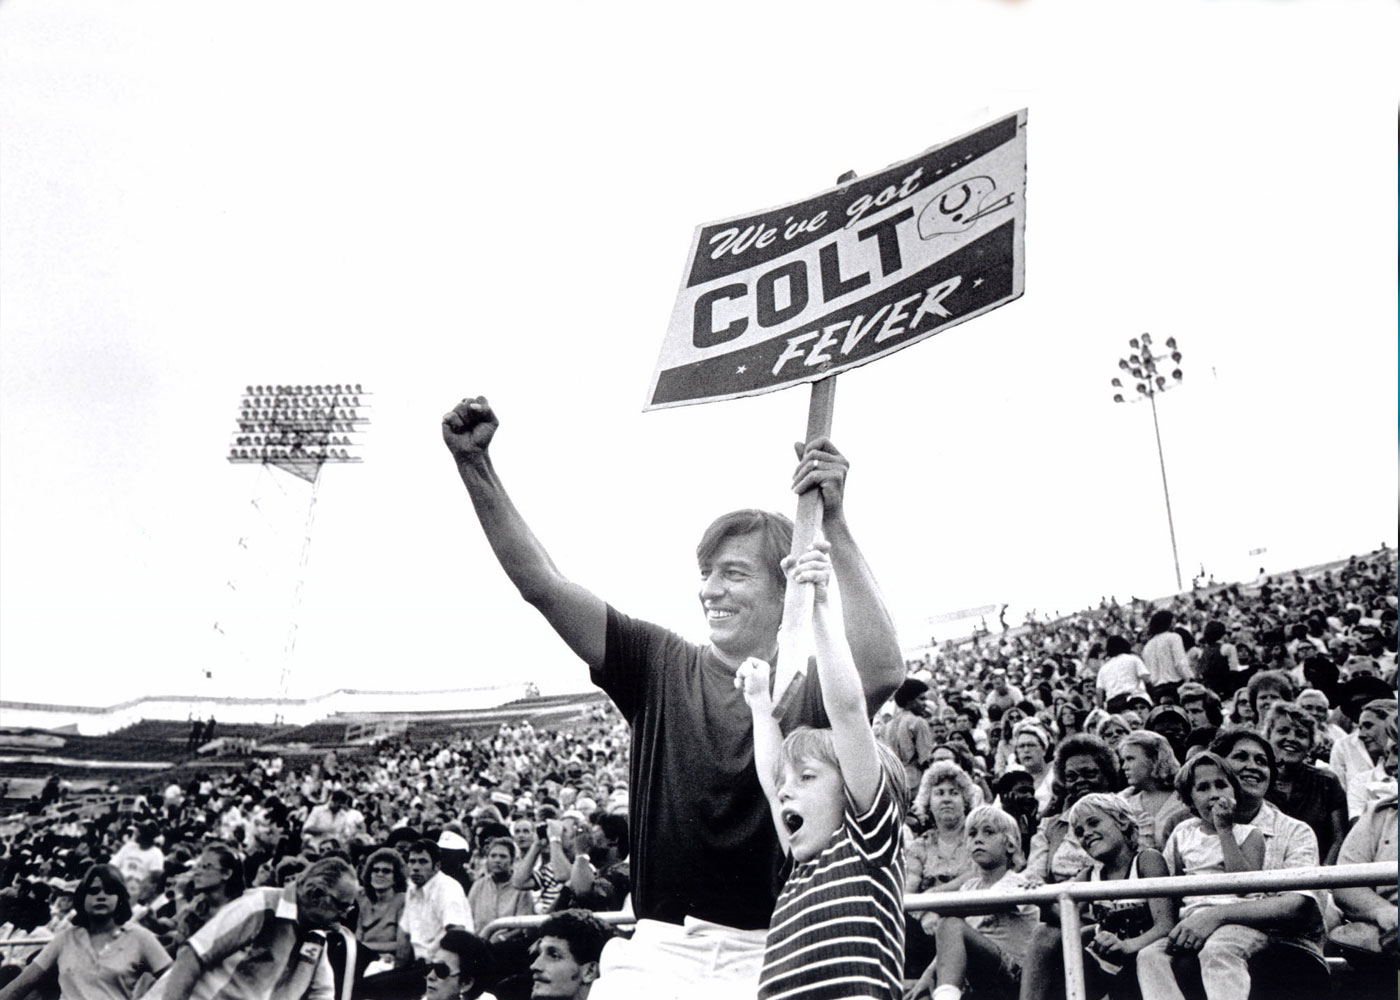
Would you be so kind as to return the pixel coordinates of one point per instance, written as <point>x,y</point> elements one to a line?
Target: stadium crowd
<point>1053,751</point>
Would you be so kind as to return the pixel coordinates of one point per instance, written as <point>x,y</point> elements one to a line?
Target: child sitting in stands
<point>1210,843</point>
<point>837,798</point>
<point>985,950</point>
<point>1114,930</point>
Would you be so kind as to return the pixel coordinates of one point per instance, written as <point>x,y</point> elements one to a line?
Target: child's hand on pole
<point>813,566</point>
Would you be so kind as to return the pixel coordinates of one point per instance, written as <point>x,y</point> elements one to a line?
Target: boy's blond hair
<point>1004,824</point>
<point>810,743</point>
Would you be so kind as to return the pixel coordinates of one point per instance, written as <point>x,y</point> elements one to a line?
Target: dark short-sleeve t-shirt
<point>703,843</point>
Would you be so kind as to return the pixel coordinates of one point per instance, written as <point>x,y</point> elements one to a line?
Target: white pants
<point>1224,962</point>
<point>689,961</point>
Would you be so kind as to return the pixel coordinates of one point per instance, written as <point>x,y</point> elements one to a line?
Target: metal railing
<point>1067,896</point>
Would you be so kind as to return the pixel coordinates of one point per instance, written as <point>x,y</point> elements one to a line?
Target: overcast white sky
<point>438,200</point>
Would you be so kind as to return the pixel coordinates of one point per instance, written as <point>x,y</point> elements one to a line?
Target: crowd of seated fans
<point>1229,729</point>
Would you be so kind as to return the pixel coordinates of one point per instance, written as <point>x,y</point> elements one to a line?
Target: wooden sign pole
<point>791,668</point>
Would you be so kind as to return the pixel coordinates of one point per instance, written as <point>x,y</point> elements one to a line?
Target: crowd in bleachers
<point>1226,729</point>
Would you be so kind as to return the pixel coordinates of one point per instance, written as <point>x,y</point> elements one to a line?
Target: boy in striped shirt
<point>837,798</point>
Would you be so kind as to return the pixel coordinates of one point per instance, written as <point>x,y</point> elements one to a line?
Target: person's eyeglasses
<point>341,907</point>
<point>441,970</point>
<point>381,871</point>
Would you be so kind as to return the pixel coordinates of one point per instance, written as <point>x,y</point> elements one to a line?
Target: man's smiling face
<point>742,600</point>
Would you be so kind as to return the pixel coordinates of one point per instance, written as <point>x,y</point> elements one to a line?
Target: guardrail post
<point>1073,948</point>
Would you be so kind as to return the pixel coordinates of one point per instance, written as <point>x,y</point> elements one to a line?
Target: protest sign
<point>805,290</point>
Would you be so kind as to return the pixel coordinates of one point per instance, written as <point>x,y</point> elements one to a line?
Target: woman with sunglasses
<point>383,881</point>
<point>100,956</point>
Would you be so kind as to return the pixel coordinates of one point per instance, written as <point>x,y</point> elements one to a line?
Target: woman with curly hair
<point>383,882</point>
<point>937,859</point>
<point>100,956</point>
<point>1083,764</point>
<point>1149,768</point>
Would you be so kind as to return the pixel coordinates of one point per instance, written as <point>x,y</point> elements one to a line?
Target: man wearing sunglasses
<point>268,942</point>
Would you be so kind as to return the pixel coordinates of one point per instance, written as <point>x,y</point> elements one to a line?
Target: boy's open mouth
<point>791,820</point>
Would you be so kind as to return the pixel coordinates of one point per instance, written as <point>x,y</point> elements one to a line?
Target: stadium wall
<point>99,721</point>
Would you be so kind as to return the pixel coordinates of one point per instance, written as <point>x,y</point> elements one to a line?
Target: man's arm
<point>868,626</point>
<point>578,616</point>
<point>180,982</point>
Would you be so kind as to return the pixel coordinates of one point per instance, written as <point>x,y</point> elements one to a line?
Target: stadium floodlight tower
<point>299,429</point>
<point>1142,365</point>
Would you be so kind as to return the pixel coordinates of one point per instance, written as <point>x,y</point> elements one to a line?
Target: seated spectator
<point>336,819</point>
<point>1111,729</point>
<point>983,952</point>
<point>1171,721</point>
<point>1370,913</point>
<point>216,878</point>
<point>1201,705</point>
<point>1014,794</point>
<point>433,904</point>
<point>460,969</point>
<point>1317,705</point>
<point>1083,764</point>
<point>100,956</point>
<point>604,882</point>
<point>1031,745</point>
<point>1115,930</point>
<point>1241,711</point>
<point>565,956</point>
<point>383,884</point>
<point>139,858</point>
<point>1227,936</point>
<point>1265,689</point>
<point>1149,768</point>
<point>272,941</point>
<point>937,860</point>
<point>1299,789</point>
<point>493,896</point>
<point>1354,758</point>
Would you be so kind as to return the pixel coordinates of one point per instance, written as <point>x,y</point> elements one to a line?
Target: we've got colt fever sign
<point>800,292</point>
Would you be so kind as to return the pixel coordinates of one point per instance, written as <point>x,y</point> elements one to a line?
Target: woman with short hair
<point>1300,789</point>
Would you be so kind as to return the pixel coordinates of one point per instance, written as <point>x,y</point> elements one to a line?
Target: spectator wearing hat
<point>1123,674</point>
<point>432,904</point>
<point>1172,722</point>
<point>908,733</point>
<point>453,852</point>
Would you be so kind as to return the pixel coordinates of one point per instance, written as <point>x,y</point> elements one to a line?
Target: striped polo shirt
<point>838,927</point>
<point>253,949</point>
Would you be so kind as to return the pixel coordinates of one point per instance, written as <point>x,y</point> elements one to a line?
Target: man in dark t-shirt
<point>705,855</point>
